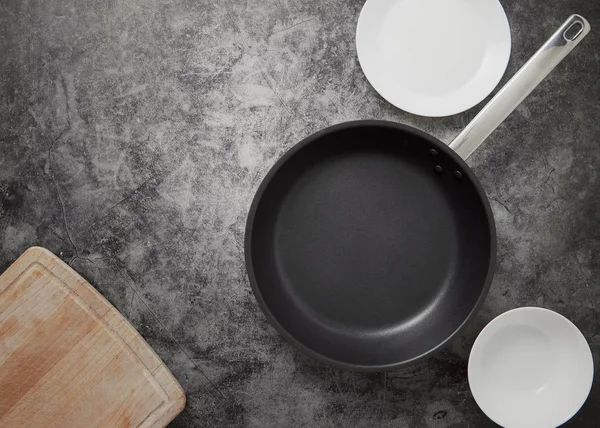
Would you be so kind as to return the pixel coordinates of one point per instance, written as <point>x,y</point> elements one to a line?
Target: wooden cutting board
<point>68,358</point>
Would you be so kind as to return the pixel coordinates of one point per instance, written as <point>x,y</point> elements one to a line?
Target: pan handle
<point>522,83</point>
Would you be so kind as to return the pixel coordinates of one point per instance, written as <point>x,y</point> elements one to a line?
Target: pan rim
<point>250,225</point>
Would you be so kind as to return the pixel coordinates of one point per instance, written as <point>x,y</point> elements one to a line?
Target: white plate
<point>433,57</point>
<point>530,367</point>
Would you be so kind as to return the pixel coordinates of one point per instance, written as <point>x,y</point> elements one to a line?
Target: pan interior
<point>363,253</point>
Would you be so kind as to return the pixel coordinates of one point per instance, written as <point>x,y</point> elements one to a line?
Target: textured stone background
<point>134,133</point>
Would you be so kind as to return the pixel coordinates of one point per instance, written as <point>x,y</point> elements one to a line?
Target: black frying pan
<point>370,244</point>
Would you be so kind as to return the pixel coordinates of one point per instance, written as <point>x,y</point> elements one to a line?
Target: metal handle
<point>522,83</point>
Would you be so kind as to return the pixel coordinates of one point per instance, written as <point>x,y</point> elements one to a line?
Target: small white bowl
<point>530,368</point>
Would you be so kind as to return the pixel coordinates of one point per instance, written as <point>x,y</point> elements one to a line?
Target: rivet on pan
<point>457,175</point>
<point>433,152</point>
<point>438,169</point>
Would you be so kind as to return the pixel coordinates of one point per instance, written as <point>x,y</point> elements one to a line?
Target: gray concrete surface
<point>134,133</point>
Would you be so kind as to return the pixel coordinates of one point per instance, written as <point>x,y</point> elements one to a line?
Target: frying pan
<point>370,244</point>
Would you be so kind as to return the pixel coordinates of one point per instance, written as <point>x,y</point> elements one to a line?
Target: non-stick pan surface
<point>370,244</point>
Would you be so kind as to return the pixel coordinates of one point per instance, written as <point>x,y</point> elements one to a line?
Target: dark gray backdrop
<point>134,133</point>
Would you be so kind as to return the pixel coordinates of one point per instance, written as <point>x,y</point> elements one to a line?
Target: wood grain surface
<point>68,358</point>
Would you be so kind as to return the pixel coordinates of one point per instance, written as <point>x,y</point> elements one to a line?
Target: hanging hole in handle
<point>574,30</point>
